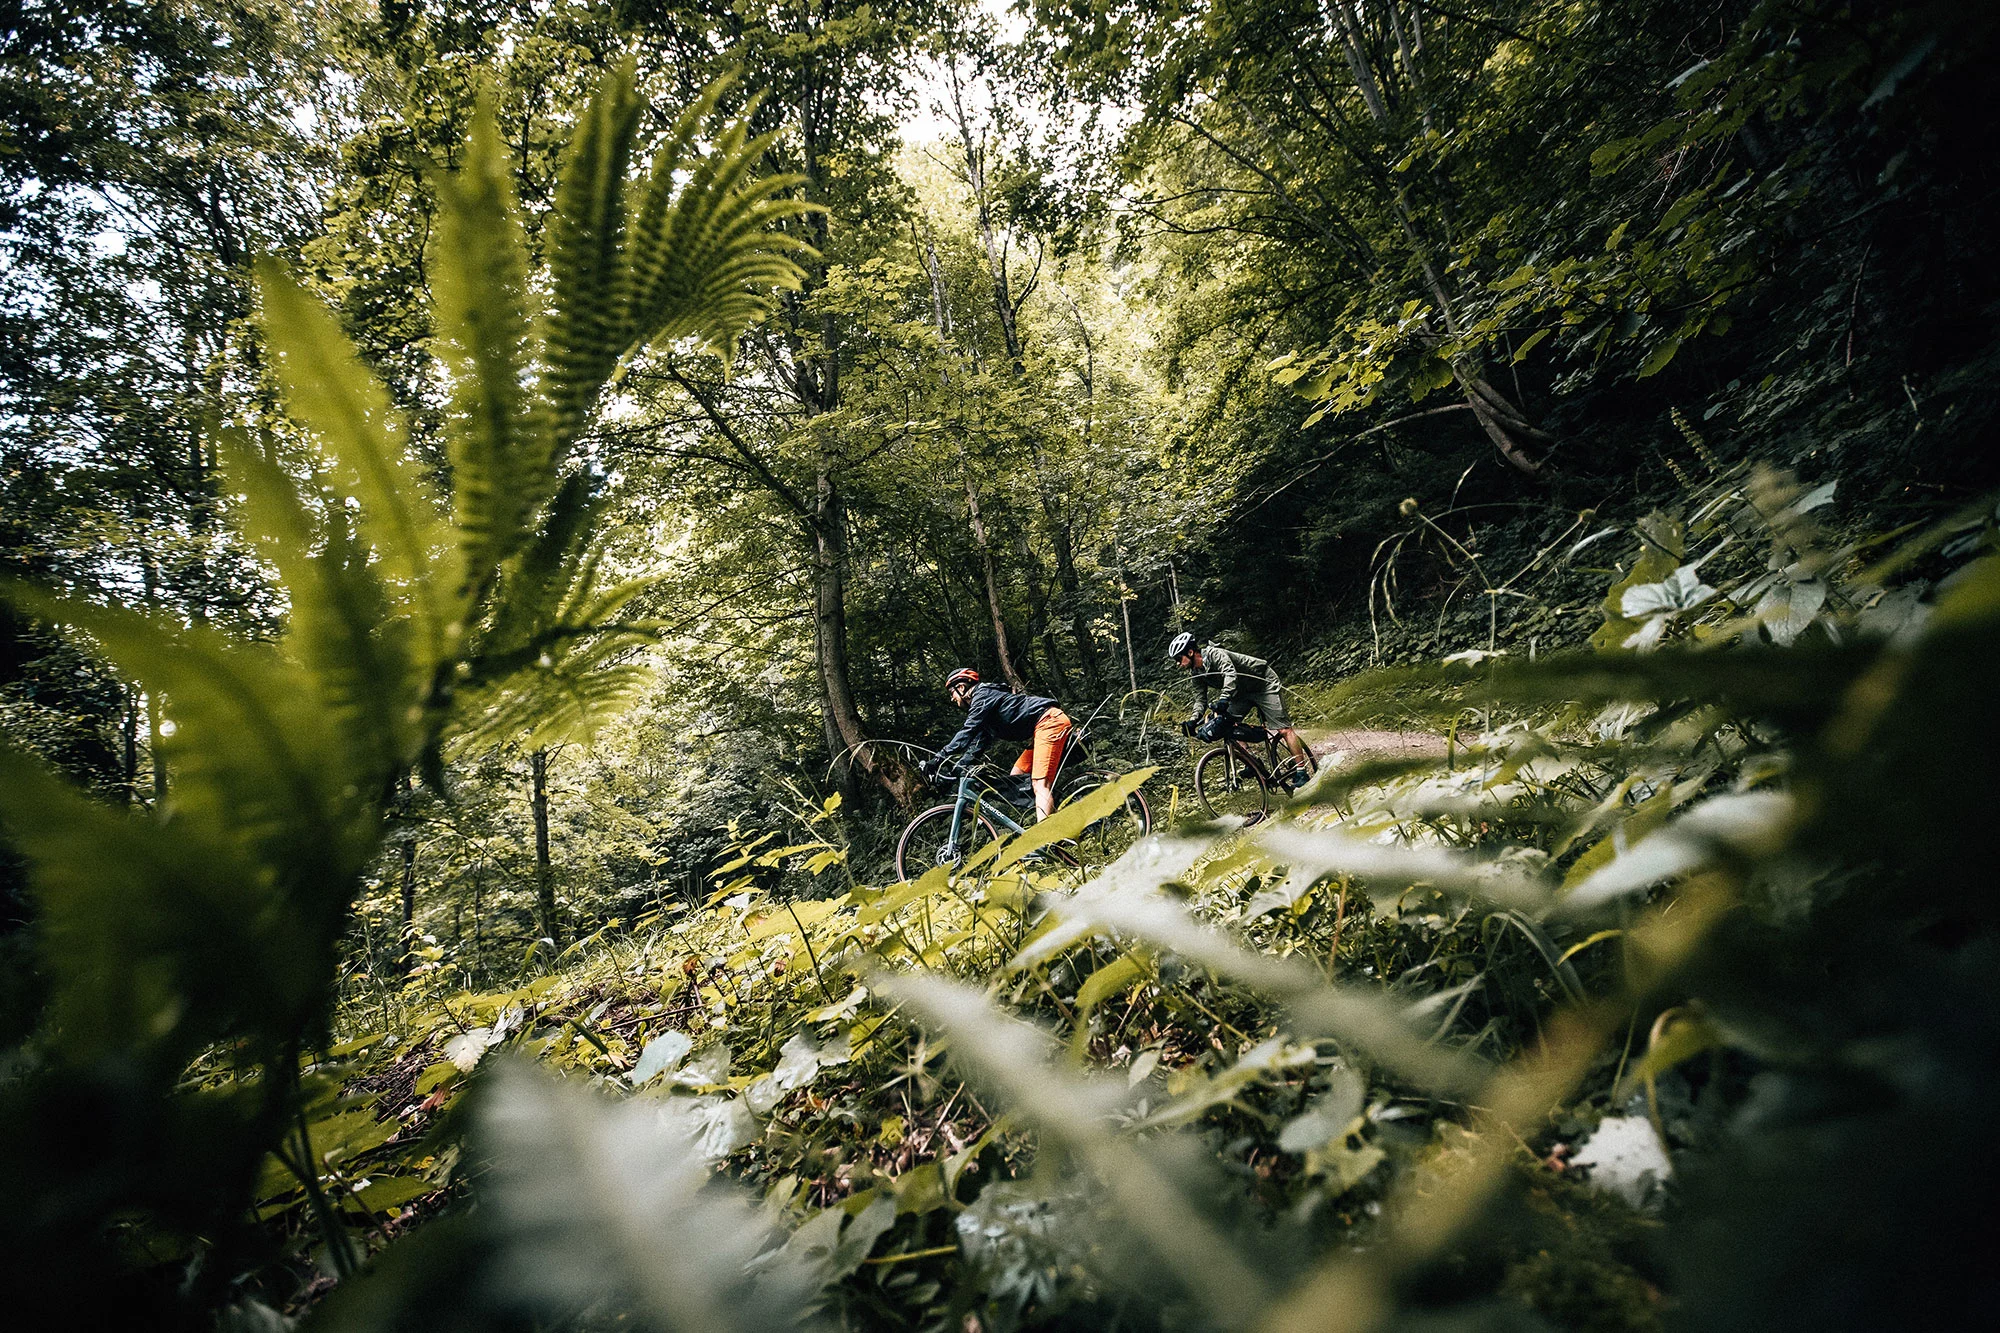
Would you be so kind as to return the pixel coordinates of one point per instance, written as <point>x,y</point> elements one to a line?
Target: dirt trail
<point>1356,745</point>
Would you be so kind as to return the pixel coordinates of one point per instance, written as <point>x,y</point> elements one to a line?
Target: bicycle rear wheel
<point>1104,840</point>
<point>1226,785</point>
<point>927,840</point>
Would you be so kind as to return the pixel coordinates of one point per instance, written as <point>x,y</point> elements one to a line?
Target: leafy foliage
<point>284,755</point>
<point>639,492</point>
<point>1303,1080</point>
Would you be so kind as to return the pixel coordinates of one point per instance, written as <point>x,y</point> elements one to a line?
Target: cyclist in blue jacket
<point>993,713</point>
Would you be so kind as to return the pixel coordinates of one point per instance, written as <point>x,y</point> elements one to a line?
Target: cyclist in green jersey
<point>1241,683</point>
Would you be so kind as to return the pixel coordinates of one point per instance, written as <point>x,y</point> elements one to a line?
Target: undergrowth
<point>943,1092</point>
<point>1717,888</point>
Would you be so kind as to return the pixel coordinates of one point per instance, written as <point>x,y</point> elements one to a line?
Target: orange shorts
<point>1051,736</point>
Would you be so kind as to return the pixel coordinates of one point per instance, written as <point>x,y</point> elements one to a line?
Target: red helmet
<point>962,676</point>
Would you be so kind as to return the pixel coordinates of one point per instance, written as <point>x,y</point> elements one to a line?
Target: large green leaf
<point>544,576</point>
<point>501,469</point>
<point>1126,900</point>
<point>251,744</point>
<point>1072,819</point>
<point>341,630</point>
<point>330,393</point>
<point>155,936</point>
<point>589,325</point>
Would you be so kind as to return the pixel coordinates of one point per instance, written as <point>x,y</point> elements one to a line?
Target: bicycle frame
<point>1265,768</point>
<point>1065,767</point>
<point>991,809</point>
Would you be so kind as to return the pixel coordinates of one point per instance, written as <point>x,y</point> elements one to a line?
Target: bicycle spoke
<point>1227,784</point>
<point>1104,840</point>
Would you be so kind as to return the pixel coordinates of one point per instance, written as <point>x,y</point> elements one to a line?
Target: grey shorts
<point>1268,698</point>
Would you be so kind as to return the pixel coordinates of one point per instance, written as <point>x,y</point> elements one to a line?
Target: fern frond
<point>588,1197</point>
<point>566,700</point>
<point>500,462</point>
<point>589,324</point>
<point>155,937</point>
<point>329,392</point>
<point>540,579</point>
<point>252,751</point>
<point>341,633</point>
<point>705,259</point>
<point>573,704</point>
<point>652,215</point>
<point>591,607</point>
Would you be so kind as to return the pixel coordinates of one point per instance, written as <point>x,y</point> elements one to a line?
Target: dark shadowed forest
<point>1479,518</point>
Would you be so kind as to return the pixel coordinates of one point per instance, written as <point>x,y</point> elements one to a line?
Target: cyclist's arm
<point>1224,664</point>
<point>972,738</point>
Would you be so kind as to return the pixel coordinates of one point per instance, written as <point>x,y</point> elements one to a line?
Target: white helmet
<point>1181,646</point>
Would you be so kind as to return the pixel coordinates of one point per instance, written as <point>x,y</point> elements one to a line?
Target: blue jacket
<point>996,714</point>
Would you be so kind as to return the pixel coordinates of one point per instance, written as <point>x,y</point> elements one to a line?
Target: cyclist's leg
<point>1023,768</point>
<point>1271,711</point>
<point>1051,738</point>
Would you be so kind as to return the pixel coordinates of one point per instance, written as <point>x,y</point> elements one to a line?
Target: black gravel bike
<point>1233,779</point>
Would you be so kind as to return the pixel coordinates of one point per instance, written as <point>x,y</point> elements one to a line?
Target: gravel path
<point>1357,745</point>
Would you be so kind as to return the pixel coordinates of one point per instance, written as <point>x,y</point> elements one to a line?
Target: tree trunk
<point>1125,610</point>
<point>1062,531</point>
<point>1504,423</point>
<point>1006,305</point>
<point>1079,619</point>
<point>478,931</point>
<point>409,856</point>
<point>987,567</point>
<point>128,727</point>
<point>545,878</point>
<point>1040,594</point>
<point>829,531</point>
<point>407,936</point>
<point>942,321</point>
<point>154,731</point>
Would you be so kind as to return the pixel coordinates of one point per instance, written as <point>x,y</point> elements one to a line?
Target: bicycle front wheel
<point>1226,785</point>
<point>927,841</point>
<point>1104,840</point>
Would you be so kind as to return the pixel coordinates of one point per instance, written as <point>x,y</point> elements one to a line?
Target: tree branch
<point>756,465</point>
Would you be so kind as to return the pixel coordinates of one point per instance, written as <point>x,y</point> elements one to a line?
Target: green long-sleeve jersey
<point>1220,670</point>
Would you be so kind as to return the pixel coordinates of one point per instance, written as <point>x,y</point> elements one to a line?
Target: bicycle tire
<point>1104,840</point>
<point>924,838</point>
<point>1227,785</point>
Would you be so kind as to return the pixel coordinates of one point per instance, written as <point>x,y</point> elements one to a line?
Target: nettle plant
<point>1745,559</point>
<point>420,609</point>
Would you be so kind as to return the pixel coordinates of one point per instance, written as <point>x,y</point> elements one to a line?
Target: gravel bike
<point>980,808</point>
<point>1231,779</point>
